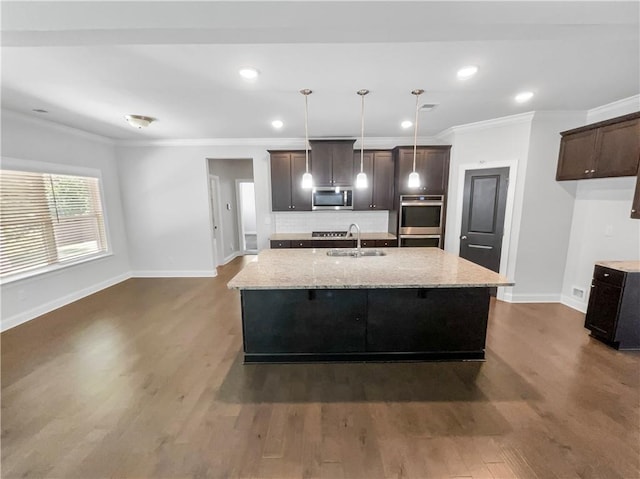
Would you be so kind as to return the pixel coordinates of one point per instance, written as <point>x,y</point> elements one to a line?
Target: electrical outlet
<point>577,292</point>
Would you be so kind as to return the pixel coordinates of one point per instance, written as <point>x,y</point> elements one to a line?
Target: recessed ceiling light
<point>524,96</point>
<point>139,121</point>
<point>406,124</point>
<point>39,110</point>
<point>467,72</point>
<point>249,73</point>
<point>277,124</point>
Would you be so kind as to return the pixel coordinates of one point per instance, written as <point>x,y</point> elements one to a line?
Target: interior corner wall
<point>35,140</point>
<point>547,211</point>
<point>601,227</point>
<point>165,193</point>
<point>229,171</point>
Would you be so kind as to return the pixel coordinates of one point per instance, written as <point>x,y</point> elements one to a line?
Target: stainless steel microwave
<point>332,198</point>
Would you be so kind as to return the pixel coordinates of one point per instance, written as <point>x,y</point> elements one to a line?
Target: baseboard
<point>232,256</point>
<point>15,320</point>
<point>174,274</point>
<point>532,298</point>
<point>573,303</point>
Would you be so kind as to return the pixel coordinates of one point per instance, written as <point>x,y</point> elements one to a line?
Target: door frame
<point>217,241</point>
<point>241,242</point>
<point>506,269</point>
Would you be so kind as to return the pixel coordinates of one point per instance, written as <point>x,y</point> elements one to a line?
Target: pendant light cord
<point>306,132</point>
<point>415,133</point>
<point>362,135</point>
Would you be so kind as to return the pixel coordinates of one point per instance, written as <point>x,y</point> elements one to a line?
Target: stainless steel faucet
<point>359,245</point>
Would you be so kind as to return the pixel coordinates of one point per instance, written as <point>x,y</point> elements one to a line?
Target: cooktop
<point>328,234</point>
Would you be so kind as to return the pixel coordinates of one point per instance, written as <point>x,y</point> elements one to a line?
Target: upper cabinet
<point>332,162</point>
<point>378,165</point>
<point>605,149</point>
<point>287,194</point>
<point>432,164</point>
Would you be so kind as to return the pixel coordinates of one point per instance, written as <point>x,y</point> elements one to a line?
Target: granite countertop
<point>307,236</point>
<point>626,266</point>
<point>400,268</point>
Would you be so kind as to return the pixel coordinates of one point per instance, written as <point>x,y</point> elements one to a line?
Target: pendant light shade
<point>414,177</point>
<point>307,179</point>
<point>361,178</point>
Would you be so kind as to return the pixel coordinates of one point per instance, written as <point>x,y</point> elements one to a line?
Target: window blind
<point>47,219</point>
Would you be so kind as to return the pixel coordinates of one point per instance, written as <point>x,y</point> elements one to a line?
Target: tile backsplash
<point>308,221</point>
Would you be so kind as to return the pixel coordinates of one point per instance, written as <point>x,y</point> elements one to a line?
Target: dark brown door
<point>281,182</point>
<point>342,165</point>
<point>362,197</point>
<point>484,201</point>
<point>300,197</point>
<point>577,156</point>
<point>603,309</point>
<point>382,180</point>
<point>618,149</point>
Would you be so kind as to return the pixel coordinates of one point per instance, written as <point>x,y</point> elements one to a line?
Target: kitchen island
<point>410,304</point>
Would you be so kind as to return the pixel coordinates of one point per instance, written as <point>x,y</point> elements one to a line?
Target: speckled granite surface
<point>626,266</point>
<point>401,268</point>
<point>307,236</point>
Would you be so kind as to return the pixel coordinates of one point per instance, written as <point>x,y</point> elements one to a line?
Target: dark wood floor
<point>145,380</point>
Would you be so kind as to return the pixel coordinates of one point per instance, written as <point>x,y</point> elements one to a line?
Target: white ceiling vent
<point>428,106</point>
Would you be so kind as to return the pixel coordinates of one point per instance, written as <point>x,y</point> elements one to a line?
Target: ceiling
<point>90,63</point>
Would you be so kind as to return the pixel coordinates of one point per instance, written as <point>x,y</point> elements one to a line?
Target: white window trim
<point>9,163</point>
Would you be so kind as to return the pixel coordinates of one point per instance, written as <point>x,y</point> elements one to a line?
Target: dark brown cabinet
<point>331,243</point>
<point>287,193</point>
<point>333,162</point>
<point>379,167</point>
<point>432,164</point>
<point>606,149</point>
<point>613,315</point>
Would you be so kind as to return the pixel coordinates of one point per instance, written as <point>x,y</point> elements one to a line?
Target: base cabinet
<point>364,324</point>
<point>613,315</point>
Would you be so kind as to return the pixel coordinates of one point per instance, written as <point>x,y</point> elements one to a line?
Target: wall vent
<point>577,292</point>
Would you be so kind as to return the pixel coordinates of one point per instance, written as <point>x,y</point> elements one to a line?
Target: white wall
<point>248,200</point>
<point>229,171</point>
<point>601,227</point>
<point>492,144</point>
<point>30,139</point>
<point>165,195</point>
<point>547,209</point>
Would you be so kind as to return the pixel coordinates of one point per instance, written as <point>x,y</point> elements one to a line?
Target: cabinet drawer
<point>369,243</point>
<point>280,244</point>
<point>302,244</point>
<point>386,243</point>
<point>608,275</point>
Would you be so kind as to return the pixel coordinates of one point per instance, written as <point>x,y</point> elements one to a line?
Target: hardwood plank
<point>145,379</point>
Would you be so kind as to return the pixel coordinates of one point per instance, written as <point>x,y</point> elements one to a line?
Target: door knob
<point>463,237</point>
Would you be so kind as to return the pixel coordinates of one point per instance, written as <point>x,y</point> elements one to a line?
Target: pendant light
<point>414,177</point>
<point>307,179</point>
<point>361,178</point>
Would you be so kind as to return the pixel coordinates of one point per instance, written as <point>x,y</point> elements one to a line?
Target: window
<point>48,219</point>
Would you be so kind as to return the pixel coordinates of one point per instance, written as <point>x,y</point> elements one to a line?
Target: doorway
<point>247,231</point>
<point>483,213</point>
<point>216,220</point>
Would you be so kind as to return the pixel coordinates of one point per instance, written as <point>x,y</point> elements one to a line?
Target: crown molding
<point>52,125</point>
<point>632,103</point>
<point>274,143</point>
<point>486,124</point>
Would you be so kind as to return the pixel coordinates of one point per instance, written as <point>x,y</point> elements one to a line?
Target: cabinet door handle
<point>606,275</point>
<point>593,171</point>
<point>294,207</point>
<point>586,171</point>
<point>633,211</point>
<point>374,206</point>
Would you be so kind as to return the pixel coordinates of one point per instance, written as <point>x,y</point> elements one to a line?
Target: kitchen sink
<point>354,252</point>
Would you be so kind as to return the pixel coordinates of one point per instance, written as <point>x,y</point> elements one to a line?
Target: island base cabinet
<point>306,325</point>
<point>303,321</point>
<point>437,319</point>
